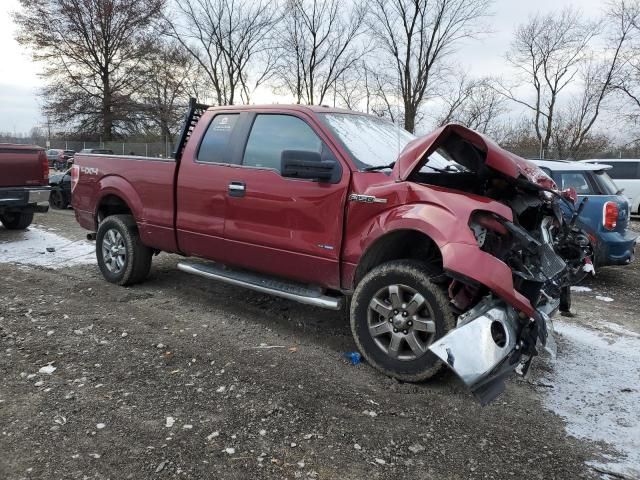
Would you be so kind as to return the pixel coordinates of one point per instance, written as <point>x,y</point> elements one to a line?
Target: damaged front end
<point>505,288</point>
<point>490,342</point>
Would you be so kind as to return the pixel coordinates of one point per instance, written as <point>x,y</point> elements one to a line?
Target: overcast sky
<point>19,81</point>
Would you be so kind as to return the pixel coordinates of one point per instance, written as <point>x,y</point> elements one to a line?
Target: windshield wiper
<point>378,167</point>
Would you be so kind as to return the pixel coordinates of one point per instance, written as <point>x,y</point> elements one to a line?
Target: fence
<point>152,147</point>
<point>147,149</point>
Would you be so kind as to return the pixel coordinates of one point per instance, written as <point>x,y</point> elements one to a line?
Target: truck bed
<point>148,182</point>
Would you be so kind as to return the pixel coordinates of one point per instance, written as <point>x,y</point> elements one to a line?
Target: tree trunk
<point>107,110</point>
<point>409,117</point>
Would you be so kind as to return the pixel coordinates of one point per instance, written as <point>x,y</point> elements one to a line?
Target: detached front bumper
<point>491,342</point>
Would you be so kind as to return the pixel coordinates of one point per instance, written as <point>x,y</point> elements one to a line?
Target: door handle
<point>237,189</point>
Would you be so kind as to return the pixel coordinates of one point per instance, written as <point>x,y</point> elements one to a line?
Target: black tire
<point>411,276</point>
<point>57,199</point>
<point>137,261</point>
<point>16,220</point>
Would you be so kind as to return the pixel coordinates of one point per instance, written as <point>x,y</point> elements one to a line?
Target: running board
<point>265,284</point>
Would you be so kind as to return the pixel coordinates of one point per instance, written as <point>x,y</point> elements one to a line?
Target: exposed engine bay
<point>545,251</point>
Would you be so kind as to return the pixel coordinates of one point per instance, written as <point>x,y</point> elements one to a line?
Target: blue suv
<point>606,214</point>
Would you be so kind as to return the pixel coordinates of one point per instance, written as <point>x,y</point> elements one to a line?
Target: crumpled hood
<point>457,140</point>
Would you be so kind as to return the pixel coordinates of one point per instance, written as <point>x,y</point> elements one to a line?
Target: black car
<point>60,196</point>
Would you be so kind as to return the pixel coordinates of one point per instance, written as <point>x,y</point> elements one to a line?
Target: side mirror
<point>307,165</point>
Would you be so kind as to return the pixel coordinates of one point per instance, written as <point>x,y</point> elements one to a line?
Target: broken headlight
<point>490,233</point>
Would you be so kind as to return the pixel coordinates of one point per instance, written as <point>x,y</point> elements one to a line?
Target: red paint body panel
<point>297,229</point>
<point>144,184</point>
<point>21,165</point>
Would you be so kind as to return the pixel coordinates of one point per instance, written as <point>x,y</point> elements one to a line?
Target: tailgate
<point>21,167</point>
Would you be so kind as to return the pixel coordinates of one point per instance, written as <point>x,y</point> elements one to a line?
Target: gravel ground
<point>181,377</point>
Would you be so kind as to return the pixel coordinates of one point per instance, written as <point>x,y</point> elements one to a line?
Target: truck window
<point>622,170</point>
<point>213,148</point>
<point>271,134</point>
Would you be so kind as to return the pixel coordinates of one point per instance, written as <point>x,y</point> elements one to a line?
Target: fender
<point>449,231</point>
<point>120,187</point>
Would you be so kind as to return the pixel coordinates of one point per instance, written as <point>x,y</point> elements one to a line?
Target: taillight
<point>75,176</point>
<point>610,215</point>
<point>45,166</point>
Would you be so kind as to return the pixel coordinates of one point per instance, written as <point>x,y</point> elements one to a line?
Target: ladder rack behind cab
<point>190,120</point>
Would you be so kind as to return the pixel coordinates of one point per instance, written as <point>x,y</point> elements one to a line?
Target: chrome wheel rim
<point>114,251</point>
<point>401,322</point>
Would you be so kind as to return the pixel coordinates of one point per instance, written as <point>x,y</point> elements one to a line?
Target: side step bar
<point>265,284</point>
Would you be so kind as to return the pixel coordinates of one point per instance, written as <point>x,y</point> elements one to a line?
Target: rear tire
<point>16,220</point>
<point>396,313</point>
<point>122,258</point>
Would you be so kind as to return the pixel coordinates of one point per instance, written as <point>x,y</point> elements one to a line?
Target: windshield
<point>371,141</point>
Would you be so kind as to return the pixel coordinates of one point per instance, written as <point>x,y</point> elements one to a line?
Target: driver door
<point>284,226</point>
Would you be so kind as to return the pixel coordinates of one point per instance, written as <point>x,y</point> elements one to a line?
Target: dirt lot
<point>186,378</point>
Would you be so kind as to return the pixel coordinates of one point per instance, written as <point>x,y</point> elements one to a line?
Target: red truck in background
<point>450,250</point>
<point>24,184</point>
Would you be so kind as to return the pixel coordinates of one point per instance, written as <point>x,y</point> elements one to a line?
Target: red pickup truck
<point>450,250</point>
<point>24,184</point>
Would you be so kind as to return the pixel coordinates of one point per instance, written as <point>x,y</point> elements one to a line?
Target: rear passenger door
<point>285,226</point>
<point>205,172</point>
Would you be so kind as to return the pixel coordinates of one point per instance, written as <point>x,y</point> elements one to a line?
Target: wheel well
<point>399,245</point>
<point>112,205</point>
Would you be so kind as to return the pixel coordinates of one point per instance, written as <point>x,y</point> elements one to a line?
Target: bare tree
<point>474,103</point>
<point>92,51</point>
<point>624,16</point>
<point>416,36</point>
<point>552,52</point>
<point>168,70</point>
<point>317,47</point>
<point>231,40</point>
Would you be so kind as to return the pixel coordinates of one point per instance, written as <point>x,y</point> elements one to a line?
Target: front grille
<point>550,263</point>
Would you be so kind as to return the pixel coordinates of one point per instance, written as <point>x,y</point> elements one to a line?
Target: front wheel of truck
<point>122,258</point>
<point>396,313</point>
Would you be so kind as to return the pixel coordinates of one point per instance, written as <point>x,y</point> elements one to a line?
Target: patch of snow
<point>169,422</point>
<point>580,289</point>
<point>30,248</point>
<point>604,299</point>
<point>48,369</point>
<point>596,390</point>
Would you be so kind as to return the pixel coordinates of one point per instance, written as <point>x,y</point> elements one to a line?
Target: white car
<point>626,175</point>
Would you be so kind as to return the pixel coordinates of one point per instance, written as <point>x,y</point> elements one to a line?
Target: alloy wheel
<point>401,322</point>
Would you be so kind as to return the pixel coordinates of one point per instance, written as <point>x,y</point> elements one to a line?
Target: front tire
<point>122,258</point>
<point>16,220</point>
<point>396,313</point>
<point>57,199</point>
